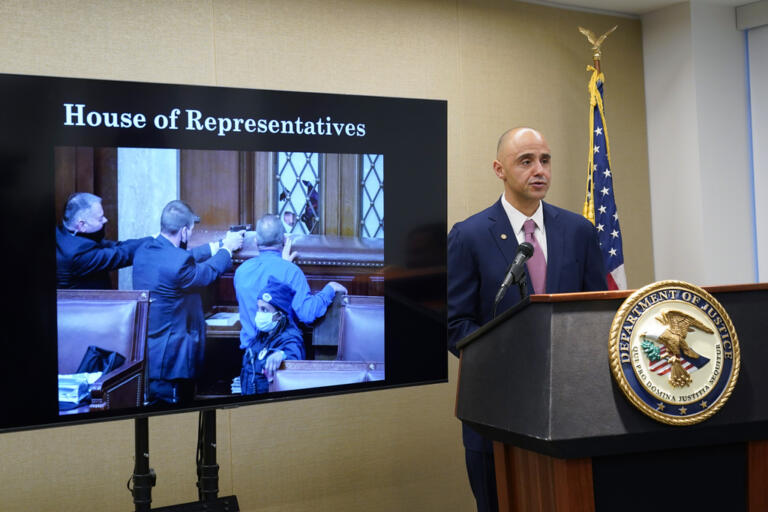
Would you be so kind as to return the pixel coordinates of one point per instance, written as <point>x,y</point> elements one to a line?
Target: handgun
<point>240,227</point>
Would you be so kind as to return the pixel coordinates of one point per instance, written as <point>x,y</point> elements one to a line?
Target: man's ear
<point>498,169</point>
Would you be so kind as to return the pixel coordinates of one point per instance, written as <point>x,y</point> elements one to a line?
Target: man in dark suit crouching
<point>174,276</point>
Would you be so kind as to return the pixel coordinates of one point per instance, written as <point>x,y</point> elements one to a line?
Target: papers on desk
<point>74,387</point>
<point>223,319</point>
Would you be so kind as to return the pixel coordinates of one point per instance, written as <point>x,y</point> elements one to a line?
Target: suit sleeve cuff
<point>218,246</point>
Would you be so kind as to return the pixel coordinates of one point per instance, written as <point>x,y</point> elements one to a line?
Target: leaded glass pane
<point>372,197</point>
<point>298,192</point>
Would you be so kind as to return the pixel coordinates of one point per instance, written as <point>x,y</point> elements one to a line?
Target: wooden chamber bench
<point>312,374</point>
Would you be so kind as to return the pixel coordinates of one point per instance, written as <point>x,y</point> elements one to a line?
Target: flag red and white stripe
<point>662,367</point>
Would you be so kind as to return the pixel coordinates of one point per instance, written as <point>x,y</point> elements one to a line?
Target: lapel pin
<point>503,236</point>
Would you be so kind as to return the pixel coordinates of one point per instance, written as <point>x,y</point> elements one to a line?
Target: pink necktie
<point>537,265</point>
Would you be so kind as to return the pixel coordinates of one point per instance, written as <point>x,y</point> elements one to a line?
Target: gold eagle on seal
<point>678,325</point>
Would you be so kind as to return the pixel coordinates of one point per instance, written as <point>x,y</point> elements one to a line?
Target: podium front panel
<point>541,380</point>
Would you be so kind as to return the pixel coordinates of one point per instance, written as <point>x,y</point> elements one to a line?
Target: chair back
<point>114,320</point>
<point>361,333</point>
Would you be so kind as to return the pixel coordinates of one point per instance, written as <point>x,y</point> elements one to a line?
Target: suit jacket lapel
<point>555,247</point>
<point>501,232</point>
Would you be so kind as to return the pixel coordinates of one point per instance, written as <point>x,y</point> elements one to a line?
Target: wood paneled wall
<point>223,187</point>
<point>85,169</point>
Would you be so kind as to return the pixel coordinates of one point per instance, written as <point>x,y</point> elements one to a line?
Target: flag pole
<point>596,42</point>
<point>599,202</point>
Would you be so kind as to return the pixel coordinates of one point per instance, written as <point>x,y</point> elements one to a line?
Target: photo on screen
<point>333,240</point>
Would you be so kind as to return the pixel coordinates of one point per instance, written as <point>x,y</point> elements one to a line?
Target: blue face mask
<point>264,321</point>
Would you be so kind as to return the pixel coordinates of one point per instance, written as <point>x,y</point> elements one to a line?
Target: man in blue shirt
<point>253,276</point>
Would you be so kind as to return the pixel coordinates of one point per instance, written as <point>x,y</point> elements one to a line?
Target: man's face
<point>289,218</point>
<point>92,219</point>
<point>524,165</point>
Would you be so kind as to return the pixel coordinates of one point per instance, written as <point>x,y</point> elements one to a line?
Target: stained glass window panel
<point>298,191</point>
<point>372,196</point>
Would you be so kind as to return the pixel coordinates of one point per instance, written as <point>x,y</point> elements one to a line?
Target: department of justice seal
<point>674,352</point>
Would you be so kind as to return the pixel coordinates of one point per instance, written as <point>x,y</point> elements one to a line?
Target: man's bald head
<point>270,231</point>
<point>515,134</point>
<point>523,164</point>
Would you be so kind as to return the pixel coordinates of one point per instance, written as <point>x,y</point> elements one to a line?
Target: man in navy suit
<point>83,257</point>
<point>174,277</point>
<point>481,248</point>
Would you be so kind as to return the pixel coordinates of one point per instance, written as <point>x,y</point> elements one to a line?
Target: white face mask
<point>264,321</point>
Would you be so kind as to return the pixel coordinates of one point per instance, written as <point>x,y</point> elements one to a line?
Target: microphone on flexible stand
<point>515,273</point>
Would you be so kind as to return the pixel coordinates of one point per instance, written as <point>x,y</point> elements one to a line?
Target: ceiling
<point>631,8</point>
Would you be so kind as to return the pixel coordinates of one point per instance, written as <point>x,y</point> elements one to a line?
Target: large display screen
<point>129,317</point>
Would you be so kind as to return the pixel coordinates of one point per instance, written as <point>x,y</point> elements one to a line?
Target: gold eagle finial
<point>596,42</point>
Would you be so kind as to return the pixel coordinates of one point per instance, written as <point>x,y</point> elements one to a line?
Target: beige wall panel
<point>65,468</point>
<point>383,450</point>
<point>144,40</point>
<point>497,64</point>
<point>86,467</point>
<point>394,48</point>
<point>525,64</point>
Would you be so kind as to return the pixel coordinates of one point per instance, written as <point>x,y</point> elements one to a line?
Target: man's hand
<point>338,287</point>
<point>233,240</point>
<point>287,254</point>
<point>272,363</point>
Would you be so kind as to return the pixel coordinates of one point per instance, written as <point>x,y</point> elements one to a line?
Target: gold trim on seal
<point>660,305</point>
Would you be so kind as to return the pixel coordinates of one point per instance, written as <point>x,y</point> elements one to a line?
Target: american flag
<point>662,366</point>
<point>600,205</point>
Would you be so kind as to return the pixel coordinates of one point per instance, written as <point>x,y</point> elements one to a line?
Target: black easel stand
<point>143,475</point>
<point>207,469</point>
<point>207,472</point>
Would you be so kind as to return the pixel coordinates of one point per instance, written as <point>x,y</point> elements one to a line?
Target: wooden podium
<point>537,381</point>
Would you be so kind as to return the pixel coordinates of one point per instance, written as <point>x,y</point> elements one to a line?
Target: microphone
<point>515,272</point>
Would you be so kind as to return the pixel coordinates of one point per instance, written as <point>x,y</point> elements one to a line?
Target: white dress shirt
<point>517,219</point>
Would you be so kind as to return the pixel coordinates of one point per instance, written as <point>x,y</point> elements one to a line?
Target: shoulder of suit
<point>152,243</point>
<point>169,251</point>
<point>481,217</point>
<point>78,245</point>
<point>566,216</point>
